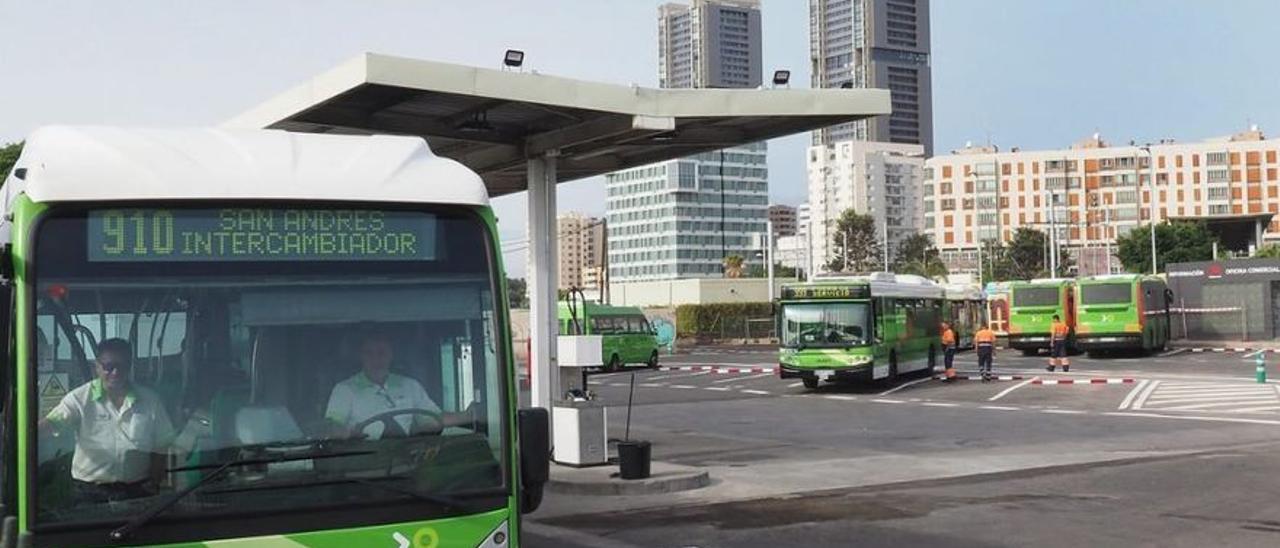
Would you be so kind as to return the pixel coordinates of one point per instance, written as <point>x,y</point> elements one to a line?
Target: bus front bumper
<point>786,371</point>
<point>1109,341</point>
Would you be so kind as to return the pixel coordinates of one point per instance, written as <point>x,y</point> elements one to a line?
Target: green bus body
<point>626,336</point>
<point>1122,312</point>
<point>1032,306</point>
<point>858,329</point>
<point>246,369</point>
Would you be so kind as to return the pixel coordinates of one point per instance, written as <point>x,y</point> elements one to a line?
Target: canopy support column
<point>542,275</point>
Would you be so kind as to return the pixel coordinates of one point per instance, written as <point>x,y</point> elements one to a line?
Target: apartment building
<point>783,219</point>
<point>875,44</point>
<point>581,250</point>
<point>681,218</point>
<point>872,178</point>
<point>1091,193</point>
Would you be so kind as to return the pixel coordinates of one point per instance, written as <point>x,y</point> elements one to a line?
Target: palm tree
<point>733,266</point>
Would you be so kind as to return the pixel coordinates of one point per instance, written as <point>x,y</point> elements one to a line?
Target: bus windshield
<point>825,325</point>
<point>1107,294</point>
<point>1035,296</point>
<point>336,352</point>
<point>620,325</point>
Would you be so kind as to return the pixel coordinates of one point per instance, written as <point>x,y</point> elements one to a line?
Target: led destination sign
<point>827,292</point>
<point>254,234</point>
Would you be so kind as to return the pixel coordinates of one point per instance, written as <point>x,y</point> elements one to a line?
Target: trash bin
<point>633,459</point>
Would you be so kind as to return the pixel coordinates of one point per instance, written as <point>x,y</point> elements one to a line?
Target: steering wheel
<point>391,428</point>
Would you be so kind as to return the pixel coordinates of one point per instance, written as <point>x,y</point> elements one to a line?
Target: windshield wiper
<point>123,532</point>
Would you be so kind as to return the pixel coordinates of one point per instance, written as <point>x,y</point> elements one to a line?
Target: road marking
<point>1173,352</point>
<point>760,376</point>
<point>652,384</point>
<point>757,392</point>
<point>1142,398</point>
<point>840,397</point>
<point>717,388</point>
<point>1064,412</point>
<point>684,386</point>
<point>1252,354</point>
<point>1255,409</point>
<point>660,377</point>
<point>1161,400</point>
<point>1128,399</point>
<point>939,404</point>
<point>882,400</point>
<point>1006,391</point>
<point>998,407</point>
<point>901,386</point>
<point>1192,418</point>
<point>795,385</point>
<point>727,379</point>
<point>1198,406</point>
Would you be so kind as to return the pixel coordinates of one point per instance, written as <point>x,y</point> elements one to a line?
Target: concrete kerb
<point>664,477</point>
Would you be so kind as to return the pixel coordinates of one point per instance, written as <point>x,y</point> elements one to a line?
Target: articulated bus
<point>1032,305</point>
<point>858,328</point>
<point>966,309</point>
<point>1122,312</point>
<point>626,336</point>
<point>320,339</point>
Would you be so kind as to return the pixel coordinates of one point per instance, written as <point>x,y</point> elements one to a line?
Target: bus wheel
<point>810,383</point>
<point>893,366</point>
<point>653,360</point>
<point>613,365</point>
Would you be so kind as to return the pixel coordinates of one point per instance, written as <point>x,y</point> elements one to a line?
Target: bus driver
<point>376,390</point>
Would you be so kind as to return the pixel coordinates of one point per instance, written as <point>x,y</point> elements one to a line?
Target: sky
<point>1032,74</point>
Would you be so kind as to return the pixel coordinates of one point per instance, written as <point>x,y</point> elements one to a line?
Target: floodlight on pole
<point>781,77</point>
<point>514,58</point>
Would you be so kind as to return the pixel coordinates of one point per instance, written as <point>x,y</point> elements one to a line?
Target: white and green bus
<point>858,328</point>
<point>248,271</point>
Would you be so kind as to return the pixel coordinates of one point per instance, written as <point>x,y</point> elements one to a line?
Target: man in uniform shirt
<point>1058,333</point>
<point>376,390</point>
<point>948,351</point>
<point>985,342</point>
<point>121,429</point>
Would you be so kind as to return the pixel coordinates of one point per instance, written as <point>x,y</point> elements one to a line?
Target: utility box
<point>579,432</point>
<point>579,350</point>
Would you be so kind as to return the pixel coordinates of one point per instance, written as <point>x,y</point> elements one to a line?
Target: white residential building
<point>872,178</point>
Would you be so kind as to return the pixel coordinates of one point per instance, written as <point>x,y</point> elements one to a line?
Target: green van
<point>628,339</point>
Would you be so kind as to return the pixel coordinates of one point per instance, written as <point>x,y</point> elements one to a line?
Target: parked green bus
<point>253,274</point>
<point>858,328</point>
<point>1032,305</point>
<point>1122,312</point>
<point>627,337</point>
<point>966,309</point>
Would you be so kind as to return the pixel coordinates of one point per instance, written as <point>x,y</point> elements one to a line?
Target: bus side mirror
<point>535,456</point>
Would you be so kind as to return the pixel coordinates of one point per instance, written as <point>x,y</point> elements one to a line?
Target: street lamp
<point>1151,171</point>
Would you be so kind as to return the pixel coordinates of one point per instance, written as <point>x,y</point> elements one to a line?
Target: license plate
<point>824,374</point>
<point>1109,339</point>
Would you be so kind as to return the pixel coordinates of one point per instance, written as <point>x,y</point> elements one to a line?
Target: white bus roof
<point>959,292</point>
<point>887,284</point>
<point>79,164</point>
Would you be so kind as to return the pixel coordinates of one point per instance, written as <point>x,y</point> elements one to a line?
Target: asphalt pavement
<point>917,461</point>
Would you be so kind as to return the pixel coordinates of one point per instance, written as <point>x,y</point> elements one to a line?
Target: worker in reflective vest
<point>985,341</point>
<point>1058,345</point>
<point>948,351</point>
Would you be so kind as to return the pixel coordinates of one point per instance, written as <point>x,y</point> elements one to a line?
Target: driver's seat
<point>258,424</point>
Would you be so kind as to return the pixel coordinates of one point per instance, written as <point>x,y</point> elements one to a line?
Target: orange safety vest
<point>984,337</point>
<point>1059,331</point>
<point>948,338</point>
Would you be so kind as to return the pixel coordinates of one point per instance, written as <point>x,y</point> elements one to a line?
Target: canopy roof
<point>492,121</point>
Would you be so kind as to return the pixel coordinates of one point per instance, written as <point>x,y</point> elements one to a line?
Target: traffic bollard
<point>1261,368</point>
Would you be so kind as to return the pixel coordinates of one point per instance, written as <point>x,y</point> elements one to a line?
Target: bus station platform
<point>664,477</point>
